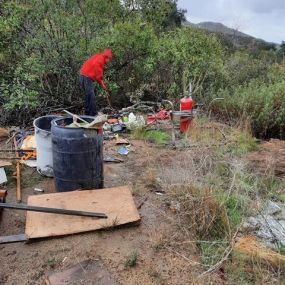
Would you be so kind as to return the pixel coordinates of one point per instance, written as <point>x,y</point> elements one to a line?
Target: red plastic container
<point>186,104</point>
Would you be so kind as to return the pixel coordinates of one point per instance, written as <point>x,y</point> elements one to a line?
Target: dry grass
<point>204,132</point>
<point>201,212</point>
<point>212,190</point>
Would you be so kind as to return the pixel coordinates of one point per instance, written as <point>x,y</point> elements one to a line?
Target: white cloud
<point>260,18</point>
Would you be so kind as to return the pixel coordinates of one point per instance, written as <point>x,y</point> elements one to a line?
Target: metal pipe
<point>53,210</point>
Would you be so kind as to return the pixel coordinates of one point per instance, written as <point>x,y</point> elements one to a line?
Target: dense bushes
<point>262,101</point>
<point>43,44</point>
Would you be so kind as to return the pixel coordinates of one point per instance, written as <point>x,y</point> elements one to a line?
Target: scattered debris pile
<point>269,225</point>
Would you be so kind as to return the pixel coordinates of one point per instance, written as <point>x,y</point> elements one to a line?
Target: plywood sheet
<point>117,203</point>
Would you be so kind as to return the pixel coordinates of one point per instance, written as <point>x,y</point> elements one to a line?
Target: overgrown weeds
<point>131,259</point>
<point>215,191</point>
<point>157,137</point>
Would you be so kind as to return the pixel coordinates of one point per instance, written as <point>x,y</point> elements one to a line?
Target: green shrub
<point>153,136</point>
<point>262,103</point>
<point>156,137</point>
<point>131,259</point>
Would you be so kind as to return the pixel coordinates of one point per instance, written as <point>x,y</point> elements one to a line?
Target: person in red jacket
<point>92,70</point>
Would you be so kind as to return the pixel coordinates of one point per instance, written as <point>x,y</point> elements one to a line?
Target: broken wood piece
<point>4,163</point>
<point>122,141</point>
<point>53,210</point>
<point>253,250</point>
<point>99,121</point>
<point>112,159</point>
<point>29,143</point>
<point>18,150</point>
<point>75,116</point>
<point>4,133</point>
<point>3,193</point>
<point>85,272</point>
<point>117,203</point>
<point>18,175</point>
<point>12,239</point>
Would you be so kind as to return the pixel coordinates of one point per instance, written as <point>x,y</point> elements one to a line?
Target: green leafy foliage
<point>44,43</point>
<point>262,103</point>
<point>153,136</point>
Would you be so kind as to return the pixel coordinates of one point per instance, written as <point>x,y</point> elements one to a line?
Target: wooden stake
<point>18,171</point>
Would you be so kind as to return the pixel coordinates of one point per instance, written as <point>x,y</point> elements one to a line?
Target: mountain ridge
<point>236,37</point>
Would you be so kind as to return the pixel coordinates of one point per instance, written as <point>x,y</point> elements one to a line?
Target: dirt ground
<point>29,263</point>
<point>269,159</point>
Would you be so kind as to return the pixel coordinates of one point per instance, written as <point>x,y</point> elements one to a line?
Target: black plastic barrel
<point>77,156</point>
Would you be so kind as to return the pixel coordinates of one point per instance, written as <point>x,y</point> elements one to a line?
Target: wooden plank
<point>117,203</point>
<point>4,163</point>
<point>18,175</point>
<point>3,193</point>
<point>11,239</point>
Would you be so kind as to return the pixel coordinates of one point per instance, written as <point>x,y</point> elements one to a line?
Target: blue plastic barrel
<point>77,156</point>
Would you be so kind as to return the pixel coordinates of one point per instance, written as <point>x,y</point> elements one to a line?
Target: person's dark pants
<point>90,100</point>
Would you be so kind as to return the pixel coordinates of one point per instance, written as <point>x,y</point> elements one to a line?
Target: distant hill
<point>220,28</point>
<point>232,38</point>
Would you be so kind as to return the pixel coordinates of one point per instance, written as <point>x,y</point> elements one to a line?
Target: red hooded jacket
<point>93,67</point>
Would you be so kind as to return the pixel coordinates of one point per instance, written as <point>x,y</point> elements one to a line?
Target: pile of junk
<point>152,115</point>
<point>70,147</point>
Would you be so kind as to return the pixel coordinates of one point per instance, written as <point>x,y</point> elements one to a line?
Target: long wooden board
<point>117,203</point>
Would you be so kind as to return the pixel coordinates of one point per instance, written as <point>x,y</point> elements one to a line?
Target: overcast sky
<point>263,19</point>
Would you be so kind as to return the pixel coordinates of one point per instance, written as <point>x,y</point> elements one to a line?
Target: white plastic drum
<point>42,127</point>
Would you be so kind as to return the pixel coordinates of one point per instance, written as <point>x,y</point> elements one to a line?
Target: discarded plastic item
<point>132,118</point>
<point>123,151</point>
<point>135,121</point>
<point>116,128</point>
<point>125,119</point>
<point>162,115</point>
<point>42,127</point>
<point>29,143</point>
<point>29,163</point>
<point>3,176</point>
<point>107,127</point>
<point>39,190</point>
<point>159,193</point>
